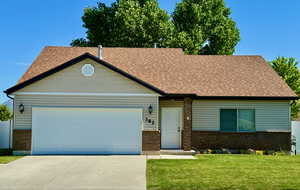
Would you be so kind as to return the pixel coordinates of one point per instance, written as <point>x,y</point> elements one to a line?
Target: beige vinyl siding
<point>269,115</point>
<point>23,121</point>
<point>71,79</point>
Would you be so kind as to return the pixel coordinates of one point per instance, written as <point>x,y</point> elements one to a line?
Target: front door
<point>171,119</point>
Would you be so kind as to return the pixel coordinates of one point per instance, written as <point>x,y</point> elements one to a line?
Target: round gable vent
<point>87,70</point>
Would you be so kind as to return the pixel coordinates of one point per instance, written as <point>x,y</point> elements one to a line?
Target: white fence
<point>4,134</point>
<point>296,134</point>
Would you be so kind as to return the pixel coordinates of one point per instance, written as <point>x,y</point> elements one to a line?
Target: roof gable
<point>74,61</point>
<point>169,71</point>
<point>102,81</point>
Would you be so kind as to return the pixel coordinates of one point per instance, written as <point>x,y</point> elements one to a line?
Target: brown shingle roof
<point>173,72</point>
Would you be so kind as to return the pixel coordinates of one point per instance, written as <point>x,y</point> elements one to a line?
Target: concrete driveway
<point>75,172</point>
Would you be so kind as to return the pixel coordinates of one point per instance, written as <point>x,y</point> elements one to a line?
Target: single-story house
<point>94,100</point>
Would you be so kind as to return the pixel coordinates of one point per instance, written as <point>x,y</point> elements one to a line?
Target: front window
<point>237,120</point>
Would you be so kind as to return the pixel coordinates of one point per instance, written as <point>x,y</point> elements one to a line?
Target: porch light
<point>21,108</point>
<point>150,109</point>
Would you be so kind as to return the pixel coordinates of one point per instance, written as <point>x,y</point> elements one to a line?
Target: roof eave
<point>195,96</point>
<point>74,61</point>
<point>248,97</point>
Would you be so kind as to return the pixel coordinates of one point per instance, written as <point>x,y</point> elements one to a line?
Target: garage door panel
<point>87,151</point>
<point>86,131</point>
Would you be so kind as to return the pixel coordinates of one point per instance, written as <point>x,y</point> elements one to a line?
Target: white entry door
<point>171,119</point>
<point>78,130</point>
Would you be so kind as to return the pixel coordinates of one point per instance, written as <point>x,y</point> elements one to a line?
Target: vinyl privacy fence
<point>5,134</point>
<point>296,135</point>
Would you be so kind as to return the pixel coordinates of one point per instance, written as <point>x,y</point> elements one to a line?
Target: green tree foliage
<point>205,27</point>
<point>81,42</point>
<point>5,114</point>
<point>126,23</point>
<point>197,26</point>
<point>287,69</point>
<point>141,24</point>
<point>100,25</point>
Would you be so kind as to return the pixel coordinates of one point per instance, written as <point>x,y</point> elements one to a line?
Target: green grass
<point>225,172</point>
<point>7,159</point>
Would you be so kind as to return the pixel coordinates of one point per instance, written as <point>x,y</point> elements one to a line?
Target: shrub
<point>6,152</point>
<point>259,152</point>
<point>5,114</point>
<point>282,153</point>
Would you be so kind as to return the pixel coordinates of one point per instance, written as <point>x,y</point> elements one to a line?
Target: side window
<point>246,120</point>
<point>237,120</point>
<point>228,120</point>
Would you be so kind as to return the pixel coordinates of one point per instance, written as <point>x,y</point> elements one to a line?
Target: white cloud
<point>23,64</point>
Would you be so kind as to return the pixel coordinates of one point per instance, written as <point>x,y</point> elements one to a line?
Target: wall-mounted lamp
<point>150,109</point>
<point>21,108</point>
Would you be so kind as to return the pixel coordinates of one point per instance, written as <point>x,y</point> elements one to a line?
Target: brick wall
<point>256,140</point>
<point>151,141</point>
<point>187,124</point>
<point>22,140</point>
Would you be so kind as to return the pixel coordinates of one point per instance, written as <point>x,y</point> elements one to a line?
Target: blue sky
<point>268,27</point>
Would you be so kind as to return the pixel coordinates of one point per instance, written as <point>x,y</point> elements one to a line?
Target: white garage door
<point>86,130</point>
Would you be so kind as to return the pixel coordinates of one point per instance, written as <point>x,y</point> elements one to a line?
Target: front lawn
<point>7,159</point>
<point>225,172</point>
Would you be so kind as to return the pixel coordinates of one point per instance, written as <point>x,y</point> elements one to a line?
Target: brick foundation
<point>200,140</point>
<point>151,141</point>
<point>22,140</point>
<point>255,140</point>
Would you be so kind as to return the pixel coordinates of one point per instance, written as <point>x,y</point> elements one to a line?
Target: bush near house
<point>211,172</point>
<point>243,151</point>
<point>5,114</point>
<point>6,152</point>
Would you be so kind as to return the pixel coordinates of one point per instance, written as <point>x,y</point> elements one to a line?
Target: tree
<point>126,23</point>
<point>5,114</point>
<point>80,42</point>
<point>205,27</point>
<point>197,26</point>
<point>141,24</point>
<point>100,25</point>
<point>287,69</point>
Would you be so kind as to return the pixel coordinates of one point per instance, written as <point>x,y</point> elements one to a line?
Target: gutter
<point>196,97</point>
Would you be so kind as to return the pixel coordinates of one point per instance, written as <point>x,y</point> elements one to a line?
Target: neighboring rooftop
<point>173,72</point>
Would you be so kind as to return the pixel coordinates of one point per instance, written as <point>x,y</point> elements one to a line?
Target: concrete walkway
<point>75,172</point>
<point>172,157</point>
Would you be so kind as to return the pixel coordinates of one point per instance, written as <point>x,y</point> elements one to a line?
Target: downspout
<point>11,123</point>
